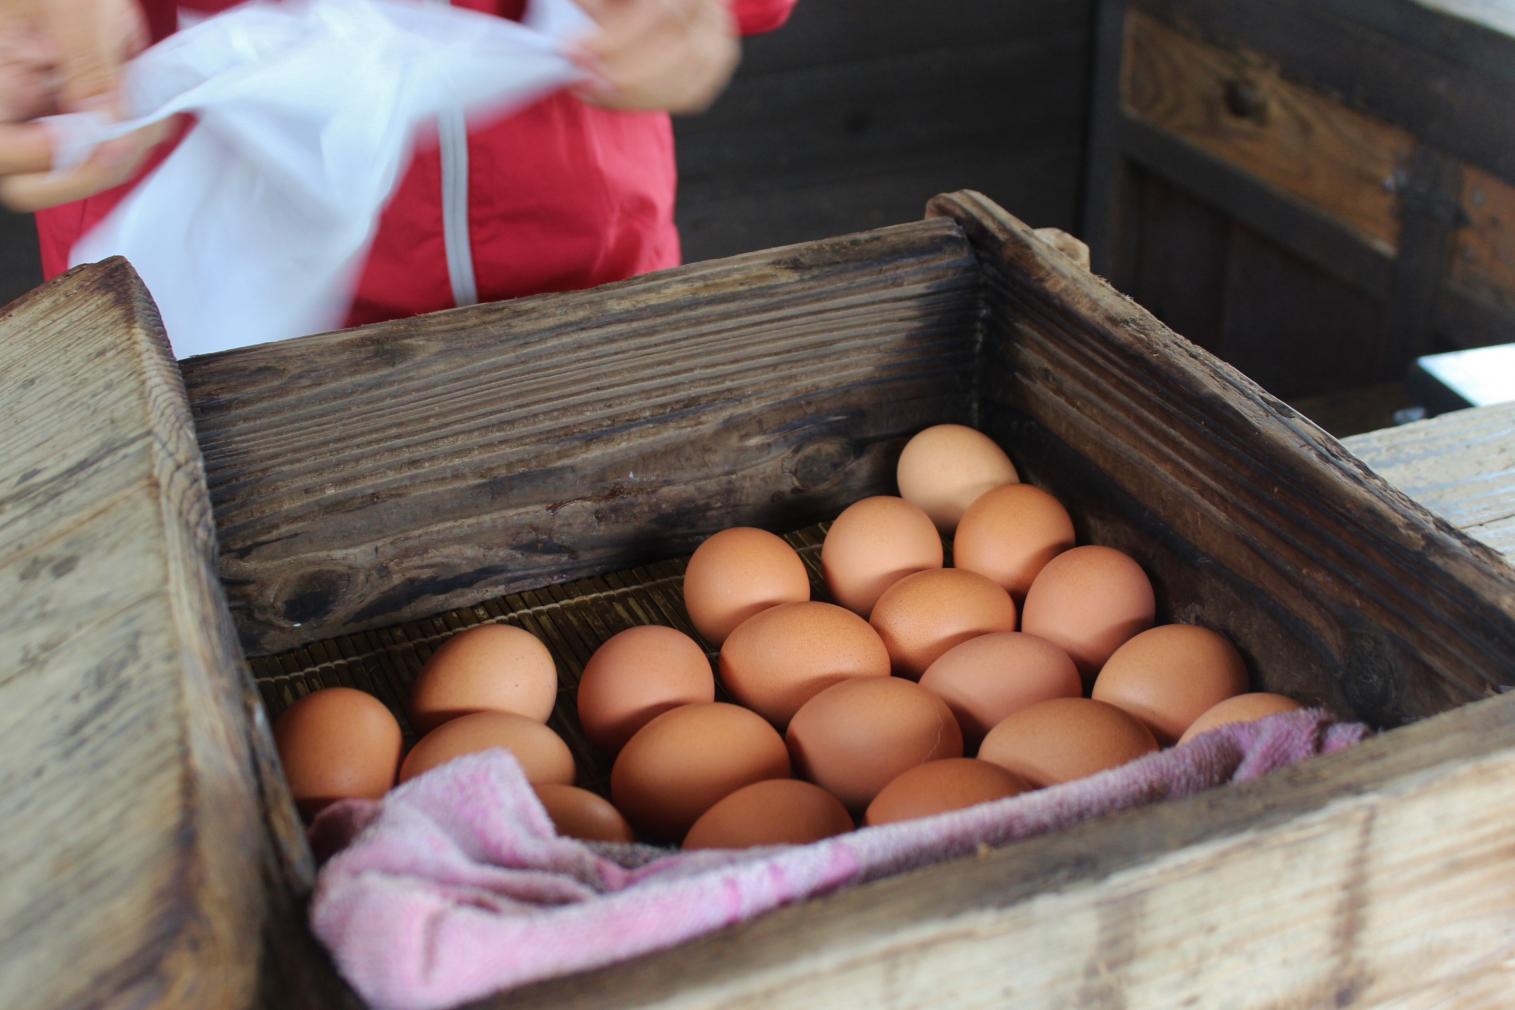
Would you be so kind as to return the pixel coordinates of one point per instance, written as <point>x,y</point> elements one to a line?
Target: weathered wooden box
<point>306,494</point>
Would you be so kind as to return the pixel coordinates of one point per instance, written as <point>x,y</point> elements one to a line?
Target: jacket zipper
<point>452,136</point>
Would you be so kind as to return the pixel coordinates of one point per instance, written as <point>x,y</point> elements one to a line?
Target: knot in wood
<point>817,464</point>
<point>1246,100</point>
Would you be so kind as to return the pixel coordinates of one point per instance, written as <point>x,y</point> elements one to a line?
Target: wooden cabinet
<point>1317,191</point>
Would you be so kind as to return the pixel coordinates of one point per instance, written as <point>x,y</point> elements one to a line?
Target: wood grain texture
<point>1373,878</point>
<point>1296,330</point>
<point>1237,107</point>
<point>364,478</point>
<point>1460,466</point>
<point>1442,78</point>
<point>848,118</point>
<point>1376,877</point>
<point>140,867</point>
<point>1483,254</point>
<point>1254,520</point>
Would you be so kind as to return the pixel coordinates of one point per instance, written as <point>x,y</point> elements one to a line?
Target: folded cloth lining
<point>455,885</point>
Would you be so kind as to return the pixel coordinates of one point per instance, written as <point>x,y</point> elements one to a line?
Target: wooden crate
<point>349,483</point>
<point>1319,192</point>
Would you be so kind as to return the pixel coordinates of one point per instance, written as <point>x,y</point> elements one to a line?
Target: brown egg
<point>736,573</point>
<point>945,468</point>
<point>775,812</point>
<point>490,668</point>
<point>855,737</point>
<point>337,744</point>
<point>939,786</point>
<point>872,545</point>
<point>923,615</point>
<point>1010,533</point>
<point>683,762</point>
<point>1169,676</point>
<point>1065,739</point>
<point>1089,601</point>
<point>542,754</point>
<point>779,659</point>
<point>1241,708</point>
<point>636,676</point>
<point>579,813</point>
<point>989,677</point>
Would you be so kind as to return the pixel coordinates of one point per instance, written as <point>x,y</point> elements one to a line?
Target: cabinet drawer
<point>1234,106</point>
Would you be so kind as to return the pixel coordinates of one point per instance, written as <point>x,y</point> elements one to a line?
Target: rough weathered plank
<point>1248,517</point>
<point>140,869</point>
<point>1379,874</point>
<point>1236,107</point>
<point>364,478</point>
<point>1460,466</point>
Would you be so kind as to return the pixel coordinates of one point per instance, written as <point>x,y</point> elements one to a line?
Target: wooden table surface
<point>1460,466</point>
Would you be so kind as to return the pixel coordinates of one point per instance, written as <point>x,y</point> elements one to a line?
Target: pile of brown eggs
<point>1035,654</point>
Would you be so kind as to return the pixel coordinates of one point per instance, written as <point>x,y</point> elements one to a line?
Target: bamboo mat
<point>572,619</point>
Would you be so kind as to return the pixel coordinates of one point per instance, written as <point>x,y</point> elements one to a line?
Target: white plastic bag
<point>255,227</point>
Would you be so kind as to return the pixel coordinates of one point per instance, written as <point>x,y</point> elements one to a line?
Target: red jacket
<point>559,196</point>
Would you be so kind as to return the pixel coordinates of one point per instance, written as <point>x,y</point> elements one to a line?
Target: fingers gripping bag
<point>305,114</point>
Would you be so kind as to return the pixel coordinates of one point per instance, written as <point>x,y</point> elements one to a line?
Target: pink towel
<point>455,885</point>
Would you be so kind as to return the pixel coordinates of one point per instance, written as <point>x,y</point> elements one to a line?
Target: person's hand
<point>64,56</point>
<point>664,55</point>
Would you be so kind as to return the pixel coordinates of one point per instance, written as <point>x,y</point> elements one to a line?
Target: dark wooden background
<point>855,114</point>
<point>20,268</point>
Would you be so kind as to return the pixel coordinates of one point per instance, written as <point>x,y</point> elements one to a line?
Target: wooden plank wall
<point>20,263</point>
<point>854,115</point>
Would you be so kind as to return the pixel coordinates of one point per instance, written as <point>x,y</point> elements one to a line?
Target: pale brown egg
<point>337,744</point>
<point>1010,533</point>
<point>1241,708</point>
<point>943,469</point>
<point>1065,739</point>
<point>579,813</point>
<point>987,678</point>
<point>775,812</point>
<point>855,737</point>
<point>1169,676</point>
<point>1089,601</point>
<point>777,660</point>
<point>543,756</point>
<point>636,676</point>
<point>872,545</point>
<point>683,762</point>
<point>736,573</point>
<point>923,615</point>
<point>489,668</point>
<point>939,786</point>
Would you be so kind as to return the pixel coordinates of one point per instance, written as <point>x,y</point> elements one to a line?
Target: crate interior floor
<point>572,619</point>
